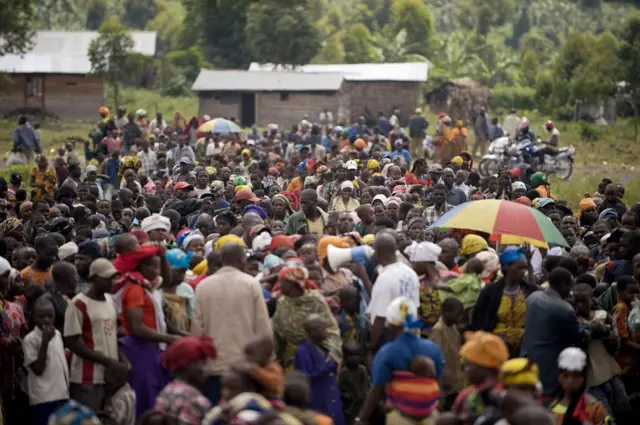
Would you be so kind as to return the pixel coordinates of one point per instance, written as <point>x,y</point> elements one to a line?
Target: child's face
<point>43,316</point>
<point>570,382</point>
<point>308,253</point>
<point>253,268</point>
<point>452,316</point>
<point>318,331</point>
<point>582,304</point>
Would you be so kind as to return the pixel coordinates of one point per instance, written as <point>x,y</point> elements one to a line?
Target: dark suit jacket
<point>551,325</point>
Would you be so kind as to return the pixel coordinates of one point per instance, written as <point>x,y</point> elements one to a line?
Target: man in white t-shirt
<point>395,280</point>
<point>90,332</point>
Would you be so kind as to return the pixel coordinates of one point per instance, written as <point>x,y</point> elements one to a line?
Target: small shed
<point>281,97</point>
<point>54,76</point>
<point>371,87</point>
<point>460,98</point>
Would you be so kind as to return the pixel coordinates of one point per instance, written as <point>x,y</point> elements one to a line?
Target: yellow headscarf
<point>484,349</point>
<point>227,239</point>
<point>519,371</point>
<point>472,244</point>
<point>457,160</point>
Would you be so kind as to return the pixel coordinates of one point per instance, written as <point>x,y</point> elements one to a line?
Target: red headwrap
<point>279,241</point>
<point>514,172</point>
<point>129,262</point>
<point>524,201</point>
<point>188,350</point>
<point>293,199</point>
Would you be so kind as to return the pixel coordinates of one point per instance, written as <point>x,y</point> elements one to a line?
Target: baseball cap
<point>103,268</point>
<point>246,195</point>
<point>435,168</point>
<point>186,160</point>
<point>351,165</point>
<point>182,185</point>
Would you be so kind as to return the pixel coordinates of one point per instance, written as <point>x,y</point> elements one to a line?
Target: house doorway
<point>248,112</point>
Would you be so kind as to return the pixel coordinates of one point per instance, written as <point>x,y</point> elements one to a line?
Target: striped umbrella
<point>511,222</point>
<point>220,125</point>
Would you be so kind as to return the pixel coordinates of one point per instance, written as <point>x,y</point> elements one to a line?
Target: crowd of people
<point>160,275</point>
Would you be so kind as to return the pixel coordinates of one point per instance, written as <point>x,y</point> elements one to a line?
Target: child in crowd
<point>314,360</point>
<point>522,375</point>
<point>445,333</point>
<point>264,369</point>
<point>602,370</point>
<point>48,379</point>
<point>353,326</point>
<point>297,394</point>
<point>120,405</point>
<point>353,380</point>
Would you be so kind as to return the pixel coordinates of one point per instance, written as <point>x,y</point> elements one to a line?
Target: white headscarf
<point>5,267</point>
<point>423,251</point>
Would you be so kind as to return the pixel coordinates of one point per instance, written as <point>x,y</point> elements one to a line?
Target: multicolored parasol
<point>511,222</point>
<point>220,125</point>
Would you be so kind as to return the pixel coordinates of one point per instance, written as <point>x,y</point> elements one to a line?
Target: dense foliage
<point>542,53</point>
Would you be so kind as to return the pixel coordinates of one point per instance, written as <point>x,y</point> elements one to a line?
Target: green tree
<point>491,13</point>
<point>332,50</point>
<point>541,45</point>
<point>96,13</point>
<point>520,28</point>
<point>357,44</point>
<point>629,56</point>
<point>188,61</point>
<point>138,12</point>
<point>414,17</point>
<point>109,54</point>
<point>529,68</point>
<point>217,26</point>
<point>281,35</point>
<point>167,24</point>
<point>389,47</point>
<point>16,26</point>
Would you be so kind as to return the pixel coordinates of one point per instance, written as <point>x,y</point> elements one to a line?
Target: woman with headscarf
<point>13,327</point>
<point>587,212</point>
<point>459,137</point>
<point>423,257</point>
<point>570,404</point>
<point>183,398</point>
<point>281,208</point>
<point>501,306</point>
<point>178,296</point>
<point>293,308</point>
<point>129,162</point>
<point>43,178</point>
<point>471,245</point>
<point>344,202</point>
<point>13,228</point>
<point>139,306</point>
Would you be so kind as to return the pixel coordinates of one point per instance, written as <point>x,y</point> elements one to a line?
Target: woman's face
<point>517,269</point>
<point>150,268</point>
<point>493,185</point>
<point>279,208</point>
<point>346,192</point>
<point>289,288</point>
<point>379,211</point>
<point>224,227</point>
<point>570,382</point>
<point>4,282</point>
<point>416,231</point>
<point>341,174</point>
<point>129,176</point>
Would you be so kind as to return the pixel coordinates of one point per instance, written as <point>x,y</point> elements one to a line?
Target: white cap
<point>572,359</point>
<point>67,250</point>
<point>91,168</point>
<point>155,221</point>
<point>351,165</point>
<point>262,241</point>
<point>423,251</point>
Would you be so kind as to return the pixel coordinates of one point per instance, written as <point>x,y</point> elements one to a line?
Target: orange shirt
<point>30,276</point>
<point>133,296</point>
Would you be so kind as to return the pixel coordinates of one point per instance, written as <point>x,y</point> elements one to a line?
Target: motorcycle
<point>504,155</point>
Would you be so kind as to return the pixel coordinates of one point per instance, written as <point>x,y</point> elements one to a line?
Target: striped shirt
<point>95,322</point>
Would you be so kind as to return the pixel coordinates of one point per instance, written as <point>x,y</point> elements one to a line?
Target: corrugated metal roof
<point>61,52</point>
<point>211,80</point>
<point>409,71</point>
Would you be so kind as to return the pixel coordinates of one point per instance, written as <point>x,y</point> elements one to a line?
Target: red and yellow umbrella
<point>511,222</point>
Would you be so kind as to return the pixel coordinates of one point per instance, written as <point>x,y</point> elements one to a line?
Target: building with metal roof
<point>54,76</point>
<point>407,71</point>
<point>267,94</point>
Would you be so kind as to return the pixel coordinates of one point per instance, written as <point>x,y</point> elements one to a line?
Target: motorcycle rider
<point>525,132</point>
<point>552,145</point>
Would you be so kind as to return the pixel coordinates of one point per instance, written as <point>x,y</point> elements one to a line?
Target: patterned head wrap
<point>188,350</point>
<point>12,227</point>
<point>584,204</point>
<point>72,413</point>
<point>295,272</point>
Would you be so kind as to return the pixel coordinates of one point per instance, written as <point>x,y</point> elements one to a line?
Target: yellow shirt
<point>316,226</point>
